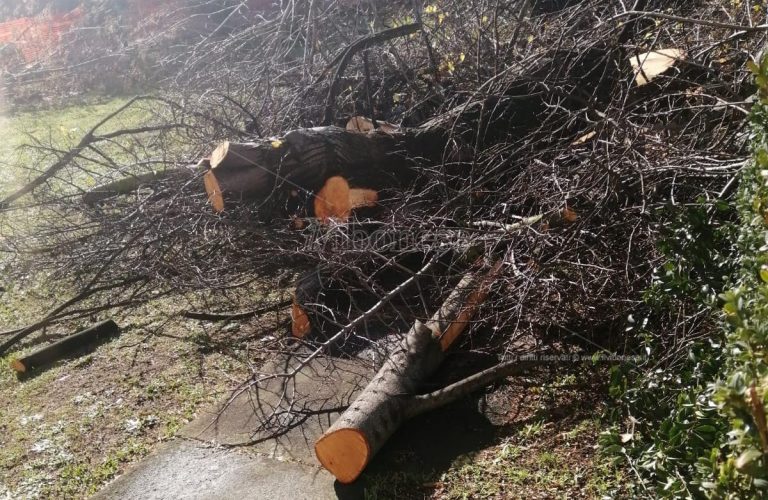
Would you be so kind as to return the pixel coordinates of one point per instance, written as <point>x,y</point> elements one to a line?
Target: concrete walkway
<point>185,469</point>
<point>219,456</point>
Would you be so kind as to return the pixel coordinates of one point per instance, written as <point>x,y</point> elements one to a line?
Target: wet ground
<point>219,456</point>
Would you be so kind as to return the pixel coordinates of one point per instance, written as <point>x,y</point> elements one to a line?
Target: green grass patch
<point>61,128</point>
<point>85,478</point>
<point>533,463</point>
<point>536,461</point>
<point>70,429</point>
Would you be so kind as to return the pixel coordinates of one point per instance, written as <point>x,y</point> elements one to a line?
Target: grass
<point>67,431</point>
<point>533,462</point>
<point>72,428</point>
<point>541,452</point>
<point>58,130</point>
<point>62,128</point>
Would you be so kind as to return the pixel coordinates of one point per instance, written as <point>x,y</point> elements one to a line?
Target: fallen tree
<point>303,160</point>
<point>494,144</point>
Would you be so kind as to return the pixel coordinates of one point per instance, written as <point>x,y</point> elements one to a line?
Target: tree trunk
<point>350,443</point>
<point>303,160</point>
<point>347,447</point>
<point>65,347</point>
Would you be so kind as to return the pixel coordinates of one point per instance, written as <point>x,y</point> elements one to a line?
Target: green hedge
<point>697,428</point>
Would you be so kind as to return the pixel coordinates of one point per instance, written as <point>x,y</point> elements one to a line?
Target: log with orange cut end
<point>349,444</point>
<point>336,200</point>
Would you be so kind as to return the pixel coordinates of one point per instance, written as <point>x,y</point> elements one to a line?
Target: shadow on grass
<point>413,461</point>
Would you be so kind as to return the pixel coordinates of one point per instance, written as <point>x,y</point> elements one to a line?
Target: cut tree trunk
<point>328,296</point>
<point>303,160</point>
<point>65,347</point>
<point>236,154</point>
<point>336,200</point>
<point>300,324</point>
<point>392,396</point>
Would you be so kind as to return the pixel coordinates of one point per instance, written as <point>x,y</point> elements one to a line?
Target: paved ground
<point>185,469</point>
<point>220,456</point>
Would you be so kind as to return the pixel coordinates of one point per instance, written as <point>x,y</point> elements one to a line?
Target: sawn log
<point>64,347</point>
<point>393,395</point>
<point>303,160</point>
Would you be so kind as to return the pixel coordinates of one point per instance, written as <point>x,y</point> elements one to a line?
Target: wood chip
<point>649,65</point>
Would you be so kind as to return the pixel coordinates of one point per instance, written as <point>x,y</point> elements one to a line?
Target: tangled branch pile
<point>559,138</point>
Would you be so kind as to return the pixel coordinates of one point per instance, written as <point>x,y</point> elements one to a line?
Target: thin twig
<point>689,20</point>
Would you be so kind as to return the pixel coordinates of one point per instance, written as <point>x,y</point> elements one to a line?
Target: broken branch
<point>211,316</point>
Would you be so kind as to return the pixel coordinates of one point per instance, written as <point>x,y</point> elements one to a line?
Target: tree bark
<point>64,347</point>
<point>303,160</point>
<point>347,447</point>
<point>350,443</point>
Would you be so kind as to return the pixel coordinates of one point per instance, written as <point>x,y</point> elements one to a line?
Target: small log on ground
<point>64,347</point>
<point>393,395</point>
